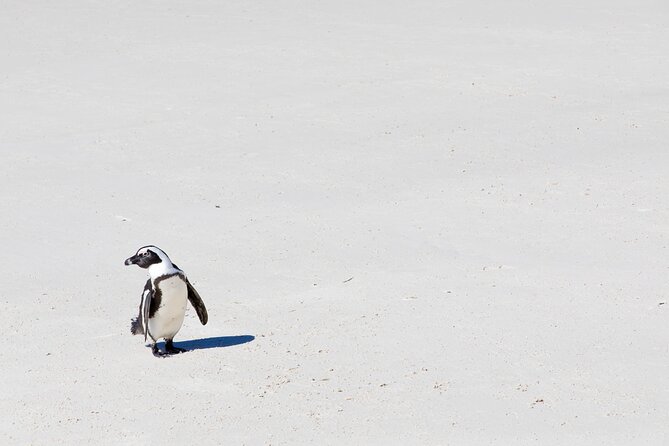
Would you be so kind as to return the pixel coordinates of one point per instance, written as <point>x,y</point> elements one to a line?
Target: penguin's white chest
<point>169,317</point>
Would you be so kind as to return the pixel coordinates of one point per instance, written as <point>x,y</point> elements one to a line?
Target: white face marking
<point>144,250</point>
<point>158,269</point>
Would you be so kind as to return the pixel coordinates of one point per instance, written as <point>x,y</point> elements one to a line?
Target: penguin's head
<point>147,256</point>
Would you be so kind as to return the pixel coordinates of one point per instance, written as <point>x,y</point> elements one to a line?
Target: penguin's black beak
<point>132,260</point>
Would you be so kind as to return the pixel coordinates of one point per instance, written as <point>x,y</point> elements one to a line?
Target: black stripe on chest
<point>157,297</point>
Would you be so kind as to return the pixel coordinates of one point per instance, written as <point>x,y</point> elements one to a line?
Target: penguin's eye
<point>144,254</point>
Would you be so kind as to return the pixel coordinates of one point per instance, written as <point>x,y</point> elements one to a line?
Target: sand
<point>412,223</point>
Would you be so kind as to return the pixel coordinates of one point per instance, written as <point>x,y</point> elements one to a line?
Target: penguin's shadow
<point>216,342</point>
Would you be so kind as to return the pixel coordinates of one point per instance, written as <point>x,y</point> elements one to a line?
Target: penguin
<point>163,304</point>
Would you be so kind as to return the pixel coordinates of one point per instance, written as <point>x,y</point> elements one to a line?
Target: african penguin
<point>163,305</point>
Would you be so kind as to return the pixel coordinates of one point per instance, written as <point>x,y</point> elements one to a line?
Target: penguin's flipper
<point>196,302</point>
<point>137,323</point>
<point>147,297</point>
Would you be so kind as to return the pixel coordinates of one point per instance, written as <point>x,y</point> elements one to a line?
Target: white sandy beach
<point>412,223</point>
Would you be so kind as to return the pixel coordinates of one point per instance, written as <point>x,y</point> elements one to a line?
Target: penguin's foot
<point>171,349</point>
<point>157,353</point>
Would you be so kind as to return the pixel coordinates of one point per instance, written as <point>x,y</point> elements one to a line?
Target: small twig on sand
<point>348,280</point>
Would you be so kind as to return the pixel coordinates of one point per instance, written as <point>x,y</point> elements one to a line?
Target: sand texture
<point>412,223</point>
